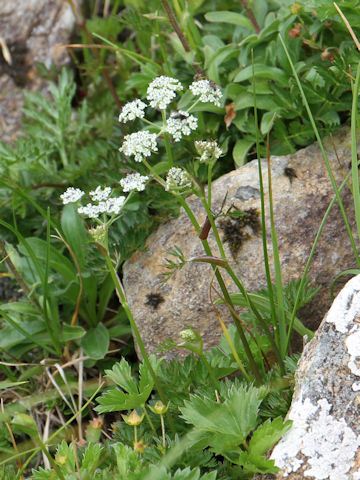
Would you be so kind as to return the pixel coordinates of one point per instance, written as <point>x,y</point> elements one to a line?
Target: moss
<point>235,229</point>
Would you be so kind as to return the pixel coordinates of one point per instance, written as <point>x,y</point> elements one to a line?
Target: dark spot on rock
<point>290,173</point>
<point>234,228</point>
<point>153,300</point>
<point>19,68</point>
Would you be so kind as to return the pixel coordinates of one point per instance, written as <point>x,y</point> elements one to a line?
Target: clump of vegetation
<point>134,135</point>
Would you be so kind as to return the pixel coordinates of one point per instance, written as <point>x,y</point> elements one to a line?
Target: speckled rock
<point>301,195</point>
<point>324,441</point>
<point>32,31</point>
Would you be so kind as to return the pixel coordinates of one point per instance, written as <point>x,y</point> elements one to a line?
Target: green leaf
<point>7,384</point>
<point>267,434</point>
<point>121,375</point>
<point>240,151</point>
<point>25,423</point>
<point>224,425</point>
<point>75,232</point>
<point>255,463</point>
<point>96,342</point>
<point>114,400</point>
<point>226,16</point>
<point>263,71</point>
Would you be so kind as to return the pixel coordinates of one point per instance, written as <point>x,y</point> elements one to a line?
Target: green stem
<point>225,293</point>
<point>210,370</point>
<point>136,332</point>
<point>167,139</point>
<point>322,149</point>
<point>308,263</point>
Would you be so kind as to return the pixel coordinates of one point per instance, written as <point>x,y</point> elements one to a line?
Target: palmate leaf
<point>137,391</point>
<point>267,434</point>
<point>224,425</point>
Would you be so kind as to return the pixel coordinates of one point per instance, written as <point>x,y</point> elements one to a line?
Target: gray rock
<point>33,31</point>
<point>299,205</point>
<point>324,441</point>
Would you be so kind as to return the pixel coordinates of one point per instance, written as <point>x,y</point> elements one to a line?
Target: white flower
<point>132,110</point>
<point>178,180</point>
<point>71,195</point>
<point>134,181</point>
<point>181,123</point>
<point>209,151</point>
<point>140,144</point>
<point>114,205</point>
<point>100,194</point>
<point>208,91</point>
<point>161,91</point>
<point>108,206</point>
<point>90,210</point>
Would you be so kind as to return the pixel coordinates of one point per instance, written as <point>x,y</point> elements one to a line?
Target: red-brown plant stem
<point>179,32</point>
<point>251,16</point>
<point>80,20</point>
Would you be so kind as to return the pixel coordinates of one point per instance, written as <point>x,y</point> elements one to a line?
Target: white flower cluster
<point>100,194</point>
<point>181,123</point>
<point>134,181</point>
<point>105,204</point>
<point>208,91</point>
<point>140,144</point>
<point>132,110</point>
<point>161,91</point>
<point>109,206</point>
<point>177,180</point>
<point>209,151</point>
<point>71,195</point>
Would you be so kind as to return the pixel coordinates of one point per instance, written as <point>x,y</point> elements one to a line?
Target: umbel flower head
<point>208,91</point>
<point>178,180</point>
<point>71,195</point>
<point>181,123</point>
<point>134,181</point>
<point>105,205</point>
<point>209,151</point>
<point>132,110</point>
<point>140,144</point>
<point>162,91</point>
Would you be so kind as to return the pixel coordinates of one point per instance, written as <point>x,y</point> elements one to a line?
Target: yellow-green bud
<point>134,419</point>
<point>60,459</point>
<point>295,8</point>
<point>159,408</point>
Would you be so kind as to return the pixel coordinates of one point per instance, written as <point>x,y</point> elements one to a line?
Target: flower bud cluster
<point>178,180</point>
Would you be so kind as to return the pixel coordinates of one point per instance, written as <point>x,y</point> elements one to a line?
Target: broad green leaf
<point>75,232</point>
<point>267,434</point>
<point>96,342</point>
<point>25,423</point>
<point>263,71</point>
<point>267,121</point>
<point>240,151</point>
<point>225,16</point>
<point>57,260</point>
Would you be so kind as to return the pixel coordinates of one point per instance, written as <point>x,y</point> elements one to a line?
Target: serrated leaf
<point>226,424</point>
<point>114,400</point>
<point>267,434</point>
<point>256,463</point>
<point>121,375</point>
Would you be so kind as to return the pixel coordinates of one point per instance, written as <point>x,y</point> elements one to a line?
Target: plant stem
<point>251,16</point>
<point>125,305</point>
<point>225,292</point>
<point>167,139</point>
<point>179,32</point>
